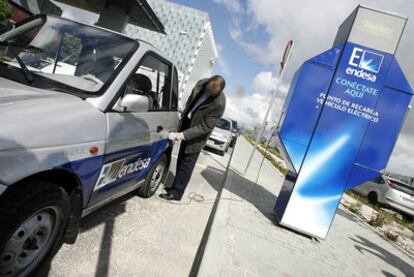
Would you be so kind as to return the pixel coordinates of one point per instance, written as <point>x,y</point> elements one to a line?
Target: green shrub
<point>355,208</point>
<point>267,155</point>
<point>378,220</point>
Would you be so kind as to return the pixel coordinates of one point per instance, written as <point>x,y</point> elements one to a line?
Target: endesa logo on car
<point>367,64</point>
<point>119,169</point>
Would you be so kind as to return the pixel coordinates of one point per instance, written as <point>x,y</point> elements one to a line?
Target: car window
<point>402,187</point>
<point>152,79</point>
<point>379,180</point>
<point>223,124</point>
<point>67,56</point>
<point>234,125</point>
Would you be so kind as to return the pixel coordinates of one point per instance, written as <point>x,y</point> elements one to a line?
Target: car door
<point>136,140</point>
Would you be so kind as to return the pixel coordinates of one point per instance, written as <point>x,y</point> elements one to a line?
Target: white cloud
<point>236,34</point>
<point>221,61</point>
<point>232,5</point>
<point>402,159</point>
<point>250,110</point>
<point>264,82</point>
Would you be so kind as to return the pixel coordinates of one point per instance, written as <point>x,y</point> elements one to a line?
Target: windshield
<point>64,55</point>
<point>223,124</point>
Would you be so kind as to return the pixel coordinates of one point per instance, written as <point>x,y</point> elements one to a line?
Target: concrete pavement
<point>245,240</point>
<point>145,237</point>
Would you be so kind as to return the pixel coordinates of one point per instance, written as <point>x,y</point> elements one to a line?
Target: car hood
<point>35,118</point>
<point>221,133</point>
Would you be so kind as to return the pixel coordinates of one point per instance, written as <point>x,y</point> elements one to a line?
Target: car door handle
<point>159,128</point>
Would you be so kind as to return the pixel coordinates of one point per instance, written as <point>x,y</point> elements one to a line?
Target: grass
<point>396,217</point>
<point>355,208</point>
<point>378,220</point>
<point>269,157</point>
<point>274,151</point>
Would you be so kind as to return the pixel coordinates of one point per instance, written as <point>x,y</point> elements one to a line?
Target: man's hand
<point>179,136</point>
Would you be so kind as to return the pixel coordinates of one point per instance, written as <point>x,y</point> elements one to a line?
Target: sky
<point>251,34</point>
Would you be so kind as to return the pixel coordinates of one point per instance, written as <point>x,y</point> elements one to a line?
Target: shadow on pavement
<point>211,153</point>
<point>253,193</point>
<point>348,216</point>
<point>105,215</point>
<point>365,245</point>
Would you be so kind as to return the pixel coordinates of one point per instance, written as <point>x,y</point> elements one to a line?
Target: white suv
<point>84,118</point>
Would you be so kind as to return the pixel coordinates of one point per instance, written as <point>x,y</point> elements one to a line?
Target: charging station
<point>341,119</point>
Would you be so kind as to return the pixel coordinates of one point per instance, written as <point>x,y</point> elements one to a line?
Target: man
<point>203,109</point>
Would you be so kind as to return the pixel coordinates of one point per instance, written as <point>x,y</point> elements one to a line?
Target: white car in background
<point>391,193</point>
<point>221,137</point>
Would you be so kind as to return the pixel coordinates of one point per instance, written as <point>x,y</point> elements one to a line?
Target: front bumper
<point>217,144</point>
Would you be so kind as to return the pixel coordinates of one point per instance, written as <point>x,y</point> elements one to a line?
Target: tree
<point>5,11</point>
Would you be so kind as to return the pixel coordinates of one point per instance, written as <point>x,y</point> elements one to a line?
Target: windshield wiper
<point>23,67</point>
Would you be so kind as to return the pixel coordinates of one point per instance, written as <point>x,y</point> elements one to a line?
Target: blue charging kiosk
<point>341,119</point>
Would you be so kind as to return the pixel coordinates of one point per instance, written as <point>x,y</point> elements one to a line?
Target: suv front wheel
<point>154,178</point>
<point>33,219</point>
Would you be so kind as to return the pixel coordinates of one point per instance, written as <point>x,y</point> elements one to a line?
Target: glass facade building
<point>189,42</point>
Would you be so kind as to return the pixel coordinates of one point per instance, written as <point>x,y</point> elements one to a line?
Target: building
<point>189,42</point>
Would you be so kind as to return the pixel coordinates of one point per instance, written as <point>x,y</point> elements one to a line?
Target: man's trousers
<point>185,167</point>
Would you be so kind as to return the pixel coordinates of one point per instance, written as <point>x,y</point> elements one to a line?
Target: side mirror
<point>135,103</point>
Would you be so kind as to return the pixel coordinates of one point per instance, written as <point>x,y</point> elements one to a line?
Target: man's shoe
<point>168,196</point>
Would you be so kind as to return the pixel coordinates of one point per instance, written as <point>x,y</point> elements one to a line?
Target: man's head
<point>215,85</point>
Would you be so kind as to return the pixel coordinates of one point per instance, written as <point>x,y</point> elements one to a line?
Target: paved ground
<point>245,241</point>
<point>145,237</point>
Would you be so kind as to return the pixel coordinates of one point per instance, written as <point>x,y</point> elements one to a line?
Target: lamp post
<point>285,59</point>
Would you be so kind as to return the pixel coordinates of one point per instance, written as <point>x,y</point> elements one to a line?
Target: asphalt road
<point>145,237</point>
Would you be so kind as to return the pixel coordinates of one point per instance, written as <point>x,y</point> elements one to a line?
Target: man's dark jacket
<point>203,119</point>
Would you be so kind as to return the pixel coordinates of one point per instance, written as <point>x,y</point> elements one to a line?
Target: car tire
<point>33,219</point>
<point>154,178</point>
<point>408,218</point>
<point>373,198</point>
<point>233,142</point>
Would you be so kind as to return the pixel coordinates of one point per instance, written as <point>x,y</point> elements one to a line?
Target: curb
<point>204,252</point>
<point>213,251</point>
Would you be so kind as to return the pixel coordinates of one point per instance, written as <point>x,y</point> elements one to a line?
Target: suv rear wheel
<point>373,198</point>
<point>32,224</point>
<point>408,218</point>
<point>154,178</point>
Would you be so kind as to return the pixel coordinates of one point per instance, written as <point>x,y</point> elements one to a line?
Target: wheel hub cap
<point>29,243</point>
